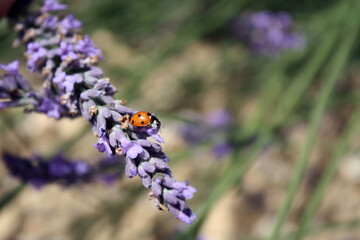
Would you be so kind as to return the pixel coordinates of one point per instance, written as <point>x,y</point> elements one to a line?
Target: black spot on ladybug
<point>139,115</point>
<point>149,114</point>
<point>132,121</point>
<point>142,122</point>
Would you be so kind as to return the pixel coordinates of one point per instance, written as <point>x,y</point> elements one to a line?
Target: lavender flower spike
<point>75,86</point>
<point>268,33</point>
<point>39,172</point>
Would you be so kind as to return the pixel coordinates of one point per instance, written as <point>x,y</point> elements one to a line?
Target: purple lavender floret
<point>12,82</point>
<point>36,53</point>
<point>52,5</point>
<point>70,22</point>
<point>74,86</point>
<point>222,149</point>
<point>268,33</point>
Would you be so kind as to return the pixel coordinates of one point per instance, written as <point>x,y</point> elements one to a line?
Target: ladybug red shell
<point>143,119</point>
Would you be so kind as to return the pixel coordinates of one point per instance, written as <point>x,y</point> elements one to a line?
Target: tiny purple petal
<point>103,145</point>
<point>130,168</point>
<point>159,164</point>
<point>134,151</point>
<point>12,68</point>
<point>148,167</point>
<point>158,138</point>
<point>52,5</point>
<point>170,198</point>
<point>156,187</point>
<point>146,181</point>
<point>70,22</point>
<point>106,112</point>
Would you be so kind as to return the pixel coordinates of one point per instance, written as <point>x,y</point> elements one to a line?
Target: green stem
<point>335,68</point>
<point>328,175</point>
<point>11,195</point>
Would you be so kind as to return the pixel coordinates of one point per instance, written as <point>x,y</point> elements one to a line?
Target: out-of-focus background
<point>259,104</point>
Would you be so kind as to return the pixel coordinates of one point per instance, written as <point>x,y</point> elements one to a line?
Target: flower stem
<point>11,195</point>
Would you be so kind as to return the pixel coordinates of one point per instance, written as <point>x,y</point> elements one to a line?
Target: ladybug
<point>143,119</point>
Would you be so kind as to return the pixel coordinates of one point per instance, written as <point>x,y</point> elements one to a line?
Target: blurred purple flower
<point>52,5</point>
<point>11,68</point>
<point>58,169</point>
<point>268,33</point>
<point>222,149</point>
<point>39,172</point>
<point>69,22</point>
<point>218,118</point>
<point>212,127</point>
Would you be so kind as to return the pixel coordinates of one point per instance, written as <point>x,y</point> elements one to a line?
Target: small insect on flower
<point>143,119</point>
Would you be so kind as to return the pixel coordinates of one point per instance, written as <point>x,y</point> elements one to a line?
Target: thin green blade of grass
<point>270,91</point>
<point>291,97</point>
<point>328,174</point>
<point>11,195</point>
<point>235,172</point>
<point>335,68</point>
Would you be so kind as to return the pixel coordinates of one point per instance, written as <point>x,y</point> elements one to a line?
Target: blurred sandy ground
<point>123,211</point>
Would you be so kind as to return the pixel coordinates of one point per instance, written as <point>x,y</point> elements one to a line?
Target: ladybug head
<point>156,121</point>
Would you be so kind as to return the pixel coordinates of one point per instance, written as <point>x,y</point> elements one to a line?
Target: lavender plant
<point>75,86</point>
<point>268,33</point>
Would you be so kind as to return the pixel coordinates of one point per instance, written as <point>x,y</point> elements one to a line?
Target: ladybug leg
<point>155,120</point>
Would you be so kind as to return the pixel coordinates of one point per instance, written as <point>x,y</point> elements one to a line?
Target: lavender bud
<point>130,168</point>
<point>148,167</point>
<point>146,181</point>
<point>106,112</point>
<point>156,187</point>
<point>159,164</point>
